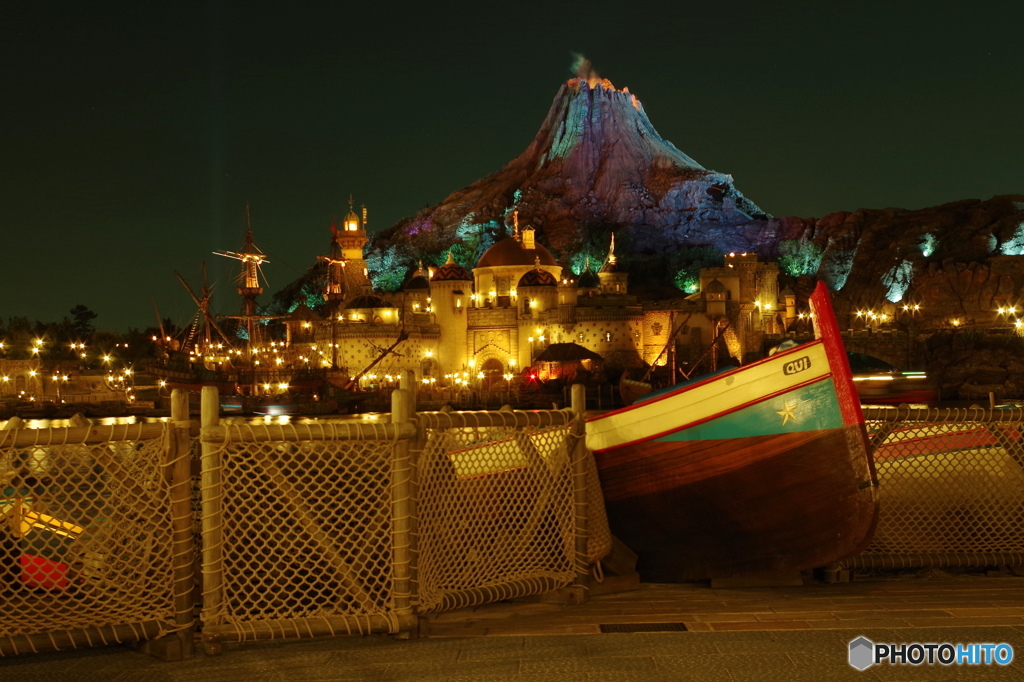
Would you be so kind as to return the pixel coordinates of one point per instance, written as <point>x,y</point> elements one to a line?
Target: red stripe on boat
<point>827,329</point>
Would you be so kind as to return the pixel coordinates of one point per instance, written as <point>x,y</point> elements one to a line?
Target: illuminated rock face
<point>959,261</point>
<point>596,164</point>
<point>949,278</point>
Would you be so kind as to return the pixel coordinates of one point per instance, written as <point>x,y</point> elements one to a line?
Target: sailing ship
<point>260,376</point>
<point>759,469</point>
<point>209,356</point>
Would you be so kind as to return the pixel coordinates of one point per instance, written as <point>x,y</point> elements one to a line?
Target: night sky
<point>133,135</point>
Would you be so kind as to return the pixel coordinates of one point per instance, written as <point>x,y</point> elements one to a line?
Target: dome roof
<point>351,219</point>
<point>510,251</point>
<point>537,278</point>
<point>588,280</point>
<point>367,301</point>
<point>418,280</point>
<point>451,271</point>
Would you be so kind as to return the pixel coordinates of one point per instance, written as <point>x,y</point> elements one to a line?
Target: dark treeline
<point>75,340</point>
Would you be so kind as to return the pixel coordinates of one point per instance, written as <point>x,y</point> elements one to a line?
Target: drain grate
<point>642,627</point>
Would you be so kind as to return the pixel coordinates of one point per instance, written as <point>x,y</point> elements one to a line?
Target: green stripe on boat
<point>811,408</point>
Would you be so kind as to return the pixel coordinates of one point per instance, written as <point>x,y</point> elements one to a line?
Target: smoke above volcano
<point>582,68</point>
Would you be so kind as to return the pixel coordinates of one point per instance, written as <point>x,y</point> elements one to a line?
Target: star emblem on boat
<point>787,411</point>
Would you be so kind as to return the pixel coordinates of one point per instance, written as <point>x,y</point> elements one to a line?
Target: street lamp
<point>58,380</point>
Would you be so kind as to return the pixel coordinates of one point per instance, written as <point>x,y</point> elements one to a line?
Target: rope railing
<point>511,419</point>
<point>319,431</point>
<point>300,530</point>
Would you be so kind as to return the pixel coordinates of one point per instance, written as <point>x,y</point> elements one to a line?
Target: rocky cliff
<point>959,261</point>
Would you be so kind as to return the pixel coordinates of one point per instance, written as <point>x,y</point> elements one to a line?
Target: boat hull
<point>763,468</point>
<point>740,506</point>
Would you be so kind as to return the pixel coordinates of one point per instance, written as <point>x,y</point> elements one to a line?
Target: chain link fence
<point>951,488</point>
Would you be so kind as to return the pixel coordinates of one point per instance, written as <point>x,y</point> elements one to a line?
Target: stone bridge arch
<point>897,349</point>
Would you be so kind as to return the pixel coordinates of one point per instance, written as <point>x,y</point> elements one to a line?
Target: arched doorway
<point>492,370</point>
<point>429,368</point>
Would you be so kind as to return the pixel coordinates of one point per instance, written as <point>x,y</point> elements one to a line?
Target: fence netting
<point>496,511</point>
<point>85,540</point>
<point>951,489</point>
<point>305,534</point>
<point>296,531</point>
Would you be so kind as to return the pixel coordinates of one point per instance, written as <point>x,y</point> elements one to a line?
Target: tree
<point>83,317</point>
<point>689,261</point>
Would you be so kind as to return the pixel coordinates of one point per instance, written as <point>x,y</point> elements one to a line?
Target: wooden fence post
<point>579,478</point>
<point>212,522</point>
<point>180,644</point>
<point>408,382</point>
<point>401,509</point>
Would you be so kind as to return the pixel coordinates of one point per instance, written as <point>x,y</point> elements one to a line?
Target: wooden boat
<point>762,468</point>
<point>631,390</point>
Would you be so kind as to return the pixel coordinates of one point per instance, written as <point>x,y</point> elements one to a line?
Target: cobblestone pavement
<point>752,633</point>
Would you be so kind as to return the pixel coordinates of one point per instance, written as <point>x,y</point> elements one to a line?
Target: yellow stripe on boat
<point>705,400</point>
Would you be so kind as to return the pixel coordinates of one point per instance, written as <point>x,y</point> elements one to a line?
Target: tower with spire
<point>613,278</point>
<point>353,233</point>
<point>348,267</point>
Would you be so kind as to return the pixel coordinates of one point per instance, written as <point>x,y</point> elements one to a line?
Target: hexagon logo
<point>862,653</point>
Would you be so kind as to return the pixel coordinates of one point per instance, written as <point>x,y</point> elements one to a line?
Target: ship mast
<point>249,279</point>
